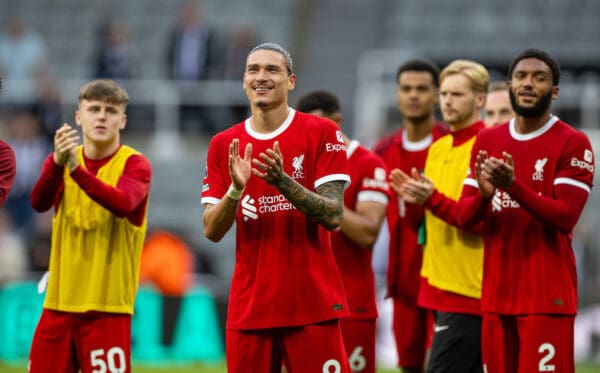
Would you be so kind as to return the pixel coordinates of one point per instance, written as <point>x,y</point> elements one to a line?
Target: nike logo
<point>440,328</point>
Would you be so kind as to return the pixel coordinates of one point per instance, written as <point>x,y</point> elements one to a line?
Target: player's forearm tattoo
<point>326,206</point>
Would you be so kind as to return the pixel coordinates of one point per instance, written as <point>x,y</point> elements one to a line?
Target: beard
<point>458,117</point>
<point>531,112</point>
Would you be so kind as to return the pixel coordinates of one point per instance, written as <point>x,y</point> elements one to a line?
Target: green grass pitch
<point>220,368</point>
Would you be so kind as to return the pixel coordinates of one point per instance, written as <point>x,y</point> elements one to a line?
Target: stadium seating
<point>71,27</point>
<point>494,31</point>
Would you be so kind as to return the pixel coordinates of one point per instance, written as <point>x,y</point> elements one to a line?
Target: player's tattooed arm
<point>326,206</point>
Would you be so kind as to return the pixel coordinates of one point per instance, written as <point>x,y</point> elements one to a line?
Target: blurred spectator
<point>31,147</point>
<point>117,55</point>
<point>192,56</point>
<point>191,47</point>
<point>13,256</point>
<point>242,40</point>
<point>168,264</point>
<point>47,106</point>
<point>22,55</point>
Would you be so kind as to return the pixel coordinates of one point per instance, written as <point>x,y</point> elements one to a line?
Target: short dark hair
<point>421,65</point>
<point>540,55</point>
<point>104,90</point>
<point>319,100</point>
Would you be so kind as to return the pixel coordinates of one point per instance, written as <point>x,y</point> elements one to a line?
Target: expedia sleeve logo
<point>586,164</point>
<point>588,156</point>
<point>335,147</point>
<point>380,174</point>
<point>340,146</point>
<point>379,180</point>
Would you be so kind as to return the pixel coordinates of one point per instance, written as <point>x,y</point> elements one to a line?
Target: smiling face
<point>531,88</point>
<point>266,79</point>
<point>100,122</point>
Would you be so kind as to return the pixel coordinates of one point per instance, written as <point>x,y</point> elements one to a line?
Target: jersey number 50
<point>113,362</point>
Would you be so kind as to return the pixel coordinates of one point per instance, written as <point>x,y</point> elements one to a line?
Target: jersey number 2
<point>543,366</point>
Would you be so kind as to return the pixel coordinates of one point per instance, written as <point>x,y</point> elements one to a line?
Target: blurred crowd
<point>194,52</point>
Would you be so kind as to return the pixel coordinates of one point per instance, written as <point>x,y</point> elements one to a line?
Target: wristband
<point>233,193</point>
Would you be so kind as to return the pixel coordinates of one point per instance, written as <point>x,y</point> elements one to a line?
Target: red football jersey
<point>368,177</point>
<point>404,219</point>
<point>529,266</point>
<point>285,272</point>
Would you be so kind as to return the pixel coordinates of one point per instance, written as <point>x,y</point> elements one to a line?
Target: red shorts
<point>529,343</point>
<point>359,340</point>
<point>66,342</point>
<point>413,330</point>
<point>310,348</point>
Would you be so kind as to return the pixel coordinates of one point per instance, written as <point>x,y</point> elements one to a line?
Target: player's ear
<point>337,117</point>
<point>481,97</point>
<point>292,81</point>
<point>78,118</point>
<point>123,122</point>
<point>555,90</point>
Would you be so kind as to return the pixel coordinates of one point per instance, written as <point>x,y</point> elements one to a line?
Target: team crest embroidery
<point>340,136</point>
<point>297,162</point>
<point>539,169</point>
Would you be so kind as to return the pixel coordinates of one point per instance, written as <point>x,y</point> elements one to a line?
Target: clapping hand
<point>412,189</point>
<point>66,140</point>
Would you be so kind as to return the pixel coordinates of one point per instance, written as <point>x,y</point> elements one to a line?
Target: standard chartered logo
<point>251,208</point>
<point>248,208</point>
<point>502,200</point>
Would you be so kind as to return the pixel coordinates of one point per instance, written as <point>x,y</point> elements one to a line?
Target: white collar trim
<point>417,146</point>
<point>512,126</point>
<point>268,136</point>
